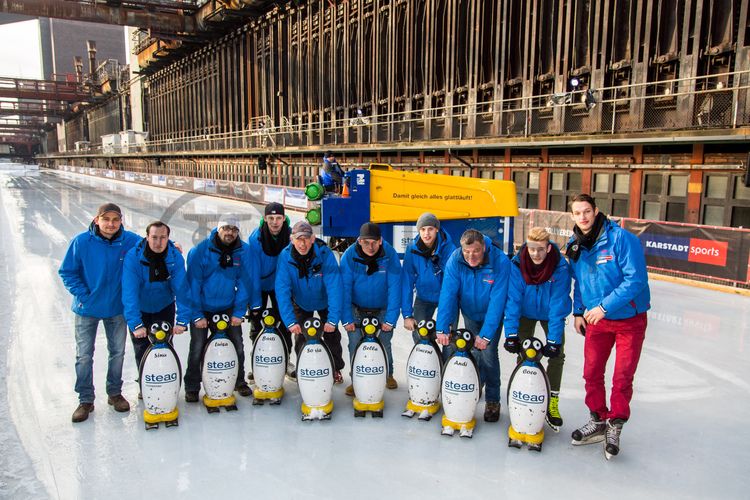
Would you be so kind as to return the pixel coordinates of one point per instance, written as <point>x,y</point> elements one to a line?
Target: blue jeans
<point>198,341</point>
<point>115,329</point>
<point>385,337</point>
<point>424,310</point>
<point>488,361</point>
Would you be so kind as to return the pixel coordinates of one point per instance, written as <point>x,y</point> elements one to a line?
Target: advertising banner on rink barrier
<point>708,251</point>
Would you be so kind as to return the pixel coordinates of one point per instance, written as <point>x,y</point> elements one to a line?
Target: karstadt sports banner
<point>713,252</point>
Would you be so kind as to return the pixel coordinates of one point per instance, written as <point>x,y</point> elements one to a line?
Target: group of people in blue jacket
<point>130,283</point>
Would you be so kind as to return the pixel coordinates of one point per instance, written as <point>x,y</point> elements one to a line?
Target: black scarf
<point>370,262</point>
<point>157,264</point>
<point>302,262</point>
<point>429,253</point>
<point>273,245</point>
<point>585,240</point>
<point>225,259</point>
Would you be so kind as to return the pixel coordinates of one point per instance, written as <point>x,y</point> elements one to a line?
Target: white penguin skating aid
<point>160,376</point>
<point>528,397</point>
<point>219,367</point>
<point>369,371</point>
<point>315,373</point>
<point>270,354</point>
<point>423,370</point>
<point>461,387</point>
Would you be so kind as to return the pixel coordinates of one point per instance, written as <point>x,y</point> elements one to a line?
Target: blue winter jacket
<point>92,272</point>
<point>380,290</point>
<point>613,274</point>
<point>479,292</point>
<point>213,288</point>
<point>267,263</point>
<point>548,301</point>
<point>421,272</point>
<point>319,289</point>
<point>141,295</point>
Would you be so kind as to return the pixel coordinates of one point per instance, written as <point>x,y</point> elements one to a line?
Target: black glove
<point>551,350</point>
<point>512,344</point>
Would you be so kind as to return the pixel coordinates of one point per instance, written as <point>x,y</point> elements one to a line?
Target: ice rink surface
<point>688,436</point>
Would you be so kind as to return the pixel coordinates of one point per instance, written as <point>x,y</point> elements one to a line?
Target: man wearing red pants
<point>610,300</point>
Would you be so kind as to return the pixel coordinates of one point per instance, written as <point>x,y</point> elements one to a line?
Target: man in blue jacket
<point>266,243</point>
<point>539,290</point>
<point>371,277</point>
<point>308,281</point>
<point>610,300</point>
<point>424,265</point>
<point>476,283</point>
<point>92,272</point>
<point>153,280</point>
<point>220,273</point>
<point>331,174</point>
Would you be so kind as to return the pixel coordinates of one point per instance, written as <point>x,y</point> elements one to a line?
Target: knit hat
<point>108,207</point>
<point>302,229</point>
<point>228,220</point>
<point>274,209</point>
<point>369,231</point>
<point>427,219</point>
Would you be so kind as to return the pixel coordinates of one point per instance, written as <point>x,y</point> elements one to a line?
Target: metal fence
<point>702,103</point>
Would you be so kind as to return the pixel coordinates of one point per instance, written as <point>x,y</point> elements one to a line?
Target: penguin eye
<point>421,324</point>
<point>365,321</point>
<point>537,344</point>
<point>165,326</point>
<point>466,335</point>
<point>216,318</point>
<point>526,344</point>
<point>429,324</point>
<point>307,324</point>
<point>316,323</point>
<point>374,322</point>
<point>154,328</point>
<point>265,313</point>
<point>225,317</point>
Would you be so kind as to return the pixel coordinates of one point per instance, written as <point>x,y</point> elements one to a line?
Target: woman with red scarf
<point>539,290</point>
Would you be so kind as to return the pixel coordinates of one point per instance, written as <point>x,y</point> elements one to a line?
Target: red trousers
<point>626,335</point>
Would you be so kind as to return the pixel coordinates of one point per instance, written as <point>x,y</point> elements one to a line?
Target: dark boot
<point>244,390</point>
<point>120,403</point>
<point>492,411</point>
<point>82,412</point>
<point>191,396</point>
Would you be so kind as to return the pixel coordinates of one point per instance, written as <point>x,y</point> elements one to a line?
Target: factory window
<point>622,184</point>
<point>716,186</point>
<point>664,197</point>
<point>527,188</point>
<point>601,183</point>
<point>741,217</point>
<point>608,193</point>
<point>713,215</point>
<point>562,187</point>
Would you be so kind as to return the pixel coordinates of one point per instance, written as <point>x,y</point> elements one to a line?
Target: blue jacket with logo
<point>613,274</point>
<point>548,301</point>
<point>141,295</point>
<point>213,288</point>
<point>479,292</point>
<point>266,263</point>
<point>92,272</point>
<point>320,289</point>
<point>380,290</point>
<point>421,273</point>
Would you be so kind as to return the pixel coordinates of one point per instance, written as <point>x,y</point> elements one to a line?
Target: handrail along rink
<point>395,199</point>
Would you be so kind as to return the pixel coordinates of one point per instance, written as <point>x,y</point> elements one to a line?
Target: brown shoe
<point>391,383</point>
<point>120,403</point>
<point>492,411</point>
<point>82,412</point>
<point>337,377</point>
<point>244,390</point>
<point>350,391</point>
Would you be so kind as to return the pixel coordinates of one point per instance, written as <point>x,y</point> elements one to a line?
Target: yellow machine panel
<point>397,196</point>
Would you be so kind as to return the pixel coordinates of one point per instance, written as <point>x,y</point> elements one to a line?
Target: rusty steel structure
<point>385,72</point>
<point>645,104</point>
